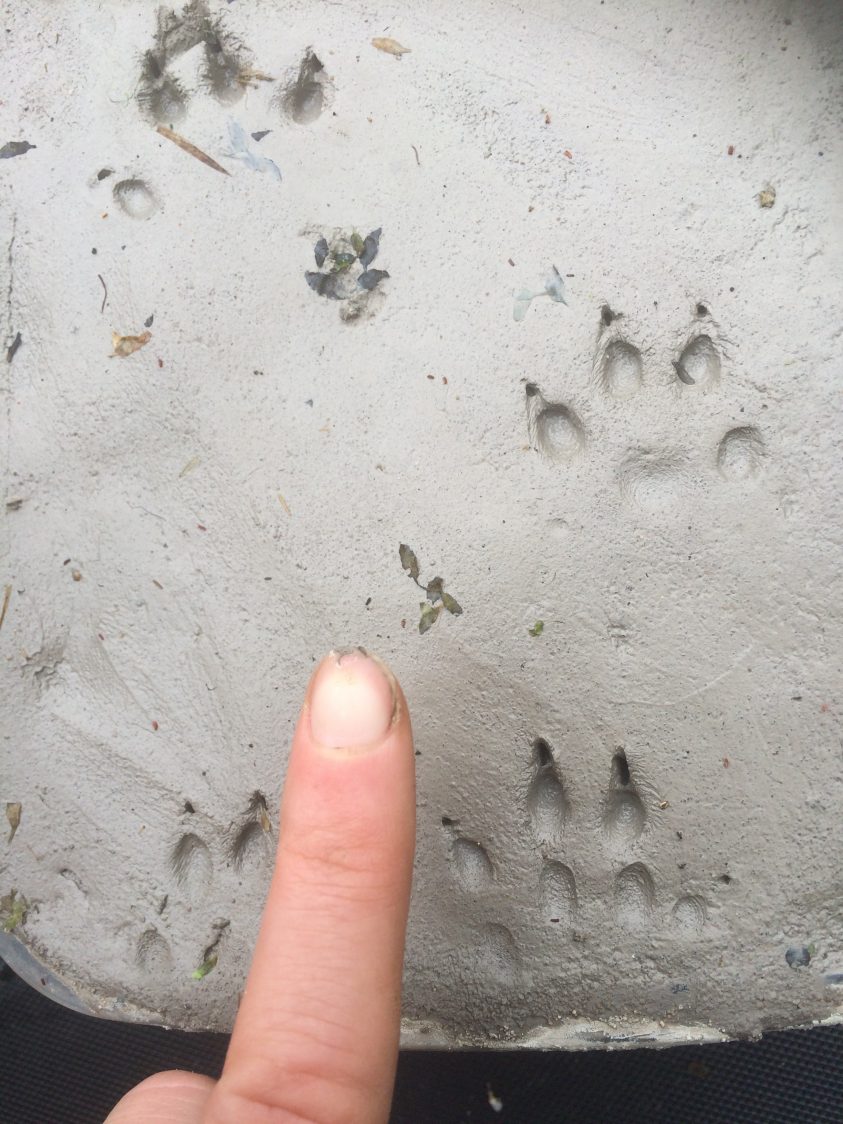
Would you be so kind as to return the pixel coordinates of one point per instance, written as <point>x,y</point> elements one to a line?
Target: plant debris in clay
<point>437,597</point>
<point>343,270</point>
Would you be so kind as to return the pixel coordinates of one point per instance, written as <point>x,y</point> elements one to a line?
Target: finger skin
<point>316,1036</point>
<point>173,1097</point>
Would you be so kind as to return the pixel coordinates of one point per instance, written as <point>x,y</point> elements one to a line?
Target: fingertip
<point>351,702</point>
<point>171,1097</point>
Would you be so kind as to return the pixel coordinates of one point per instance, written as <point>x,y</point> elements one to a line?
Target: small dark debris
<point>200,527</point>
<point>12,349</point>
<point>511,262</point>
<point>94,250</point>
<point>677,987</point>
<point>13,505</point>
<point>188,807</point>
<point>104,173</point>
<point>15,148</point>
<point>726,879</point>
<point>702,310</point>
<point>793,698</point>
<point>731,150</point>
<point>798,956</point>
<point>368,602</point>
<point>607,316</point>
<point>371,278</point>
<point>261,133</point>
<point>161,363</point>
<point>320,252</point>
<point>308,401</point>
<point>148,322</point>
<point>154,724</point>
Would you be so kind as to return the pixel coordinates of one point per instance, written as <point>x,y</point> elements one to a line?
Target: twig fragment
<point>186,146</point>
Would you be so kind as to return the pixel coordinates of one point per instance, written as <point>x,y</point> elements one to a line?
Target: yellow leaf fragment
<point>391,47</point>
<point>128,345</point>
<point>13,814</point>
<point>194,462</point>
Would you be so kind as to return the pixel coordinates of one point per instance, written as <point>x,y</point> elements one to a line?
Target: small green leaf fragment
<point>537,629</point>
<point>342,261</point>
<point>434,590</point>
<point>13,910</point>
<point>451,604</point>
<point>207,965</point>
<point>409,561</point>
<point>358,243</point>
<point>429,616</point>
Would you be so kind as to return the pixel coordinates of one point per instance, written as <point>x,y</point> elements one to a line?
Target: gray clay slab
<point>591,377</point>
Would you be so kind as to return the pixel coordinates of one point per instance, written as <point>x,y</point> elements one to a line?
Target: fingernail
<point>352,701</point>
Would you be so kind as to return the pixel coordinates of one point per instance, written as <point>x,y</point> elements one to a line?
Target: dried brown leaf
<point>128,345</point>
<point>409,561</point>
<point>390,47</point>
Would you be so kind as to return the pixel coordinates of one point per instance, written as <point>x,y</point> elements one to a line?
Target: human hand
<point>316,1036</point>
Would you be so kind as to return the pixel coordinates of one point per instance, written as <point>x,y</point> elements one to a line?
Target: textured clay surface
<point>630,813</point>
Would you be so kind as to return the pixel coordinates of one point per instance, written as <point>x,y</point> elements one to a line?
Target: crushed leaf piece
<point>15,148</point>
<point>123,346</point>
<point>434,590</point>
<point>186,146</point>
<point>408,561</point>
<point>767,197</point>
<point>13,814</point>
<point>207,965</point>
<point>76,575</point>
<point>451,604</point>
<point>390,46</point>
<point>371,278</point>
<point>495,1103</point>
<point>537,629</point>
<point>371,245</point>
<point>429,616</point>
<point>14,910</point>
<point>284,504</point>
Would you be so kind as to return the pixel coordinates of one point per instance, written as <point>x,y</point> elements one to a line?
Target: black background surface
<point>58,1067</point>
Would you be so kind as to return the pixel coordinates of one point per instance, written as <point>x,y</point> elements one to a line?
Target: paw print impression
<point>187,43</point>
<point>652,418</point>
